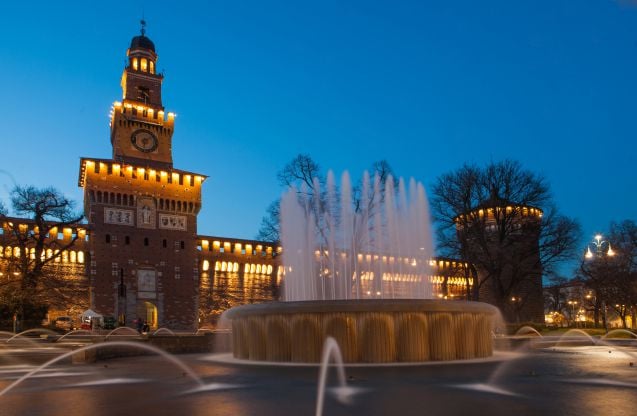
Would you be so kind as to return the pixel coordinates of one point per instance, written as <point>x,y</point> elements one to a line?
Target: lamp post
<point>516,302</point>
<point>592,297</point>
<point>598,245</point>
<point>573,304</point>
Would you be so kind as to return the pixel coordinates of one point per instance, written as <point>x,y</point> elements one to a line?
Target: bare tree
<point>303,174</point>
<point>555,295</point>
<point>501,219</point>
<point>270,223</point>
<point>35,273</point>
<point>299,173</point>
<point>300,170</point>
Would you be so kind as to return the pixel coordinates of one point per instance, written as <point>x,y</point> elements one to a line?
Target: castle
<point>139,255</point>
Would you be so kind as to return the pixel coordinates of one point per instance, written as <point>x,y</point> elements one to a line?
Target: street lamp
<point>573,304</point>
<point>516,301</point>
<point>598,244</point>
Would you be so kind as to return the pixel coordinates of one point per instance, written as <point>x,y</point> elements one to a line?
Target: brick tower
<point>506,237</point>
<point>142,213</point>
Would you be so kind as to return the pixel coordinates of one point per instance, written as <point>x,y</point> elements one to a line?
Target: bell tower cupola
<point>140,73</point>
<point>141,132</point>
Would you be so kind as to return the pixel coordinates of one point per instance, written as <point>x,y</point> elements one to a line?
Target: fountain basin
<point>367,331</point>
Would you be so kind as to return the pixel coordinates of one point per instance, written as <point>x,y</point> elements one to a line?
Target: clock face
<point>144,140</point>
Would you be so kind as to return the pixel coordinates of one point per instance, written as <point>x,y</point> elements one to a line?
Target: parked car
<point>109,322</point>
<point>64,322</point>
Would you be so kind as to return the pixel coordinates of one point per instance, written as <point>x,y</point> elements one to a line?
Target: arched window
<point>135,64</point>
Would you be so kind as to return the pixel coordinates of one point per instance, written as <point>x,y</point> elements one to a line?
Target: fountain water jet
<point>343,391</point>
<point>357,268</point>
<point>162,330</point>
<point>122,328</point>
<point>187,370</point>
<point>31,331</point>
<point>72,333</point>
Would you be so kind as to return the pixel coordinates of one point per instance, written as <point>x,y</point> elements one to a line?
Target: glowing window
<point>80,257</point>
<point>152,67</point>
<point>144,64</point>
<point>135,66</point>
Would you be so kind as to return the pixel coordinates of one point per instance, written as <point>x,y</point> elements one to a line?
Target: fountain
<point>356,268</point>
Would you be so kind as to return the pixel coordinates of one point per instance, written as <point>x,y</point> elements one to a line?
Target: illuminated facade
<point>65,250</point>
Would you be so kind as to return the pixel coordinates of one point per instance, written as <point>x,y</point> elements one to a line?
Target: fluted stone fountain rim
<point>361,305</point>
<point>368,330</point>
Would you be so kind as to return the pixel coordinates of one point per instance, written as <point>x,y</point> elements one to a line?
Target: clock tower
<point>142,212</point>
<point>141,132</point>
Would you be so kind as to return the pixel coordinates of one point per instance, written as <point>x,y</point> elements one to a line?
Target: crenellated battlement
<point>171,179</point>
<point>132,111</point>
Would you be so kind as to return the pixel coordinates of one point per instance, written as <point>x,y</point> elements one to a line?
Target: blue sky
<point>427,85</point>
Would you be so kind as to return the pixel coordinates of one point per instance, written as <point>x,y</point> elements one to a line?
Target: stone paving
<point>568,380</point>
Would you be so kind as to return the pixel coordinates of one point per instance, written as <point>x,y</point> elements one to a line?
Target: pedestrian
<point>140,325</point>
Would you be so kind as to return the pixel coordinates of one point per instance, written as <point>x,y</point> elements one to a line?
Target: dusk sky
<point>426,85</point>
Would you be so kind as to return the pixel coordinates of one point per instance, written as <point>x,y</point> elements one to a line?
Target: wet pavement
<point>576,380</point>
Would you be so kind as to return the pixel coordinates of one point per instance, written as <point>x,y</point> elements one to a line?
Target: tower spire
<point>143,23</point>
